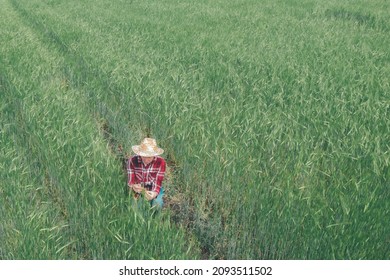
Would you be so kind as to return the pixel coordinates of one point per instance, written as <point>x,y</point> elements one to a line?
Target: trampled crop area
<point>274,117</point>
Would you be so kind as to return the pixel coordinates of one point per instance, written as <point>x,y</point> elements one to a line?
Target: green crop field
<point>274,116</point>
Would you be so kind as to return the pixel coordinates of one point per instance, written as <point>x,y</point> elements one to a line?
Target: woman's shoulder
<point>160,159</point>
<point>135,158</point>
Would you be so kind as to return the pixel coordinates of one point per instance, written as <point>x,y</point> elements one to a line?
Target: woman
<point>146,171</point>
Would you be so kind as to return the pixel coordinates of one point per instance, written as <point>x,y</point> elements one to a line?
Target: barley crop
<point>274,115</point>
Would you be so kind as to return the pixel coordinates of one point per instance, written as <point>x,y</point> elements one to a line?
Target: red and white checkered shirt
<point>152,173</point>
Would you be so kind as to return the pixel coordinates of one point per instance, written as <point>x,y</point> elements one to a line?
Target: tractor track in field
<point>21,123</point>
<point>78,72</point>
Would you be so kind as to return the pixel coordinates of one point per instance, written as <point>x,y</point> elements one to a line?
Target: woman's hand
<point>137,188</point>
<point>150,195</point>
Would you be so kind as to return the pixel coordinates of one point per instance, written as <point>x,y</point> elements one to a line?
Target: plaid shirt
<point>152,173</point>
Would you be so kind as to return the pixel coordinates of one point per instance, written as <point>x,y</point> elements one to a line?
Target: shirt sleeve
<point>160,176</point>
<point>130,172</point>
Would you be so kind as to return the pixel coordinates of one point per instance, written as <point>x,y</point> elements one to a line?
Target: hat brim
<point>136,149</point>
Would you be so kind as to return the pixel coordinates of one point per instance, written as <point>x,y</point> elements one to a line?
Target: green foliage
<point>274,116</point>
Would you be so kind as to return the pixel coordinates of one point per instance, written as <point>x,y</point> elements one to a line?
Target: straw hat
<point>148,148</point>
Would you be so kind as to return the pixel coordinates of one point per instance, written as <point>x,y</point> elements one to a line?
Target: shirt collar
<point>141,162</point>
